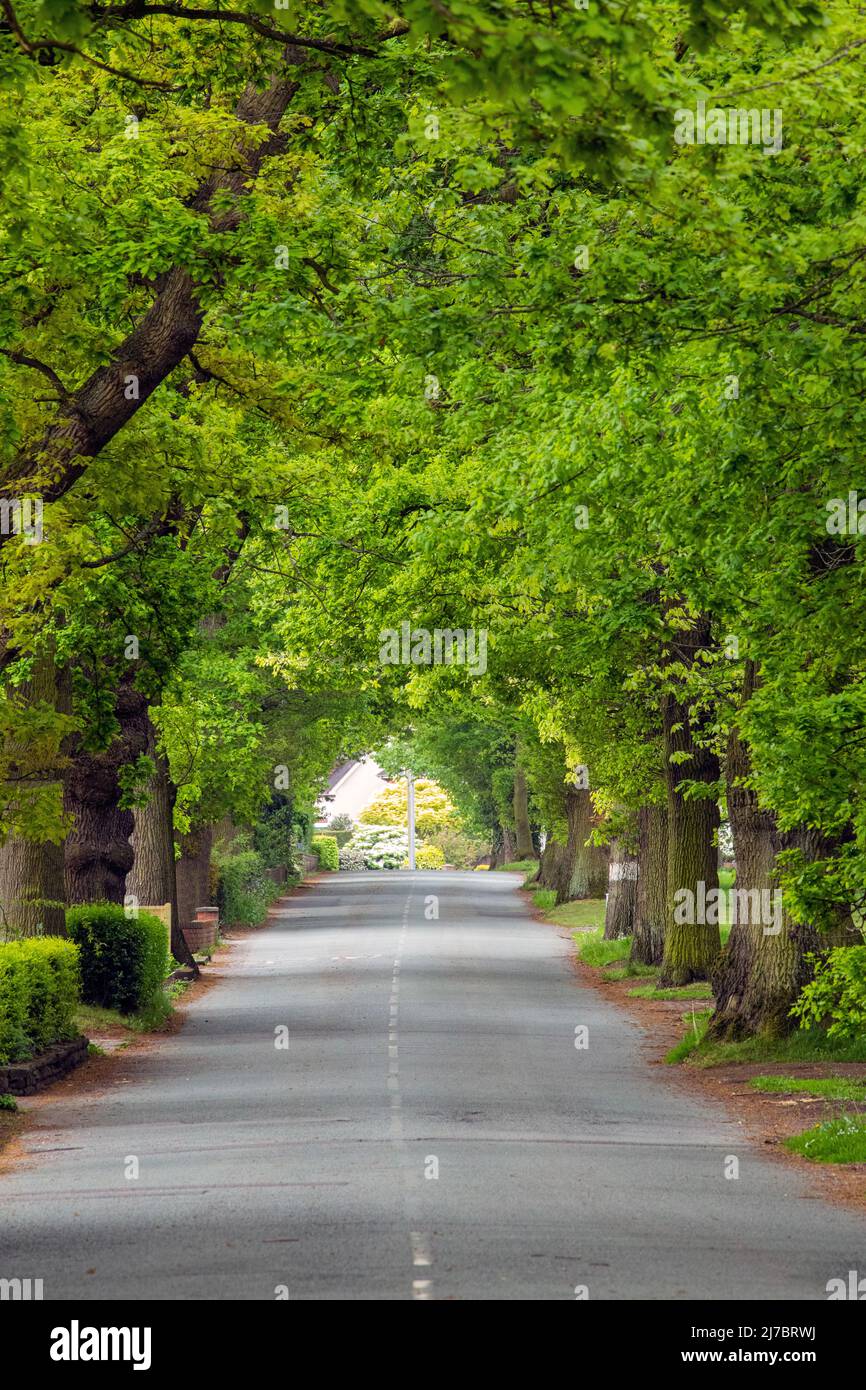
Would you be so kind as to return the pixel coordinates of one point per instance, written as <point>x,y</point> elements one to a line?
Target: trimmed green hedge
<point>39,992</point>
<point>325,846</point>
<point>124,960</point>
<point>245,891</point>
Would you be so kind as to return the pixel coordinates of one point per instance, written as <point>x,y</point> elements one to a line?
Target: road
<point>430,1132</point>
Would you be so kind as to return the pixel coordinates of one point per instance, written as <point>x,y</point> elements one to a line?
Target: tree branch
<point>262,27</point>
<point>24,361</point>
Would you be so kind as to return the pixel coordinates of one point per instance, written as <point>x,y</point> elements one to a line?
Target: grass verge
<point>693,1037</point>
<point>831,1087</point>
<point>91,1018</point>
<point>544,899</point>
<point>842,1140</point>
<point>697,991</point>
<point>806,1045</point>
<point>583,915</point>
<point>594,950</point>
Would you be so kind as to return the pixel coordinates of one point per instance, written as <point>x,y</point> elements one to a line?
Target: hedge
<point>245,891</point>
<point>124,960</point>
<point>325,846</point>
<point>39,992</point>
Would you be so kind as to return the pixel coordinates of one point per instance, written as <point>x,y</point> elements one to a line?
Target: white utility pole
<point>410,787</point>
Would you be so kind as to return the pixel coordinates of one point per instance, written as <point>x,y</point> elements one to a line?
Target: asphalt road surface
<point>430,1131</point>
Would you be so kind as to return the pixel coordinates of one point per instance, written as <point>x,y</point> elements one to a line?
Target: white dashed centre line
<point>420,1243</point>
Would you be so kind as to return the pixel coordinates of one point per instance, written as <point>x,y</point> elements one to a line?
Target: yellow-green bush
<point>427,857</point>
<point>325,846</point>
<point>39,992</point>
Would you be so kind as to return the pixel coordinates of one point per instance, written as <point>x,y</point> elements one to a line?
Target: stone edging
<point>23,1078</point>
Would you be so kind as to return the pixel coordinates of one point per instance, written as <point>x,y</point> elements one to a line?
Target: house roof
<point>339,772</point>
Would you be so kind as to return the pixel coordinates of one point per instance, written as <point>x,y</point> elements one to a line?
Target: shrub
<point>836,997</point>
<point>352,860</point>
<point>342,827</point>
<point>124,960</point>
<point>272,836</point>
<point>460,849</point>
<point>433,807</point>
<point>427,857</point>
<point>325,846</point>
<point>383,846</point>
<point>39,991</point>
<point>244,890</point>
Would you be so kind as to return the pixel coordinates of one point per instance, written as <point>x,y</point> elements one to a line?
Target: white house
<point>351,788</point>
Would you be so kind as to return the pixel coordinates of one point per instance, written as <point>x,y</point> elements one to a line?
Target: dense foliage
<point>325,846</point>
<point>330,330</point>
<point>244,889</point>
<point>124,959</point>
<point>39,992</point>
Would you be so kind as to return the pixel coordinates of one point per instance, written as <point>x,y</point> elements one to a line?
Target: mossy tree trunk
<point>32,887</point>
<point>588,863</point>
<point>648,939</point>
<point>152,880</point>
<point>507,853</point>
<point>32,890</point>
<point>98,855</point>
<point>763,967</point>
<point>522,828</point>
<point>691,947</point>
<point>554,870</point>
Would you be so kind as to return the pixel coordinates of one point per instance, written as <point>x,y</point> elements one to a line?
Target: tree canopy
<point>322,320</point>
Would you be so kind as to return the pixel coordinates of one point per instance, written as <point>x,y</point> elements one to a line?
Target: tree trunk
<point>691,947</point>
<point>166,332</point>
<point>32,888</point>
<point>193,873</point>
<point>98,852</point>
<point>508,848</point>
<point>588,863</point>
<point>32,892</point>
<point>619,912</point>
<point>152,880</point>
<point>523,830</point>
<point>554,870</point>
<point>648,941</point>
<point>762,968</point>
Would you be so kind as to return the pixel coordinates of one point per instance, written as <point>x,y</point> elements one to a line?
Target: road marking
<point>421,1256</point>
<point>418,1241</point>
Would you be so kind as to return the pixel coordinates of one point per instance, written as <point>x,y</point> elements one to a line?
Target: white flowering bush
<point>352,860</point>
<point>382,846</point>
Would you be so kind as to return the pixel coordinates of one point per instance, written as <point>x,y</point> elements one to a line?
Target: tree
<point>433,807</point>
